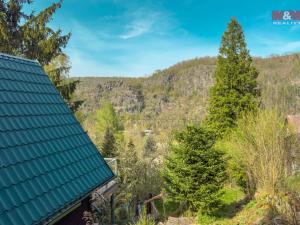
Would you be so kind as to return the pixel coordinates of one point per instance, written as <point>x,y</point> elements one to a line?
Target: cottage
<point>48,165</point>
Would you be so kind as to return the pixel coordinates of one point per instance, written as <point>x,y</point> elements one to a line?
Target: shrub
<point>258,144</point>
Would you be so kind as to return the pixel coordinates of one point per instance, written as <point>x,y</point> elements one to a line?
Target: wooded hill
<point>173,97</point>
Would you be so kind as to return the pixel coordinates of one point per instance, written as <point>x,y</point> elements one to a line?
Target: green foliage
<point>258,145</point>
<point>109,146</point>
<point>293,183</point>
<point>168,208</point>
<point>230,203</point>
<point>252,212</point>
<point>130,169</point>
<point>235,170</point>
<point>235,90</point>
<point>80,117</point>
<point>107,118</point>
<point>144,220</point>
<point>58,70</point>
<point>238,209</point>
<point>28,35</point>
<point>278,80</point>
<point>195,171</point>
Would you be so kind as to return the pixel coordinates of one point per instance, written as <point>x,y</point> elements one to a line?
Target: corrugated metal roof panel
<point>47,161</point>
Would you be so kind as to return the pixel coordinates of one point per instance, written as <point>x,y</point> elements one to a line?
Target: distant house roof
<point>294,120</point>
<point>47,161</point>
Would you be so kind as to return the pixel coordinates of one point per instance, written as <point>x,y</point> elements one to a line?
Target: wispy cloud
<point>142,21</point>
<point>100,50</point>
<point>137,28</point>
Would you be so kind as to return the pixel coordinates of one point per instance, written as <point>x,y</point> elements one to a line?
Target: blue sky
<point>137,37</point>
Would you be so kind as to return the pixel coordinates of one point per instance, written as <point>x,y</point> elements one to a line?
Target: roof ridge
<point>7,56</point>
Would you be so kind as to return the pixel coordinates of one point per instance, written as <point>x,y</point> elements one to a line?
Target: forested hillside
<point>173,97</point>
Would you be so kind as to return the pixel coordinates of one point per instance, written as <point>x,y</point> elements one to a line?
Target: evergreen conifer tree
<point>235,90</point>
<point>109,148</point>
<point>195,171</point>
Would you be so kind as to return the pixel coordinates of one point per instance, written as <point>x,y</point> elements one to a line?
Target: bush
<point>258,144</point>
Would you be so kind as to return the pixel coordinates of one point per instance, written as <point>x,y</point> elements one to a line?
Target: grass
<point>143,220</point>
<point>293,183</point>
<point>167,209</point>
<point>237,209</point>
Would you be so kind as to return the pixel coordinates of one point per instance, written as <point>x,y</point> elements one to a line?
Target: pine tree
<point>27,35</point>
<point>109,148</point>
<point>194,172</point>
<point>235,90</point>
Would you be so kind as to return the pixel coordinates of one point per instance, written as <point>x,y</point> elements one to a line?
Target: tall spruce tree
<point>235,90</point>
<point>28,35</point>
<point>195,171</point>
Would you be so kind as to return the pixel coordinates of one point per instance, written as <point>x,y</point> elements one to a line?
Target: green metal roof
<point>47,161</point>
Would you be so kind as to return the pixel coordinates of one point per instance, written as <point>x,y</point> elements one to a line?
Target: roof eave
<point>61,211</point>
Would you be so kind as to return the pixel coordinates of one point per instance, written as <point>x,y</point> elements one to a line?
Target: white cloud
<point>142,21</point>
<point>137,28</point>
